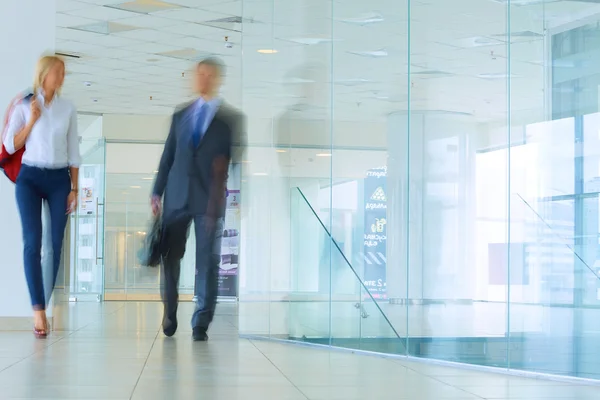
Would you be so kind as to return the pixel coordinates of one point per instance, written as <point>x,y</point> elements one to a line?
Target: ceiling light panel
<point>145,6</point>
<point>105,27</point>
<point>198,3</point>
<point>101,2</point>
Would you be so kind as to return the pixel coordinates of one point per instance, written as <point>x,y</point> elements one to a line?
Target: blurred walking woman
<point>46,125</point>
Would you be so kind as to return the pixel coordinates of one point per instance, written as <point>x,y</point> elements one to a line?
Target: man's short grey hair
<point>214,62</point>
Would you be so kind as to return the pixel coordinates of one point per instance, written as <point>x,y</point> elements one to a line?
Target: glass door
<point>85,277</point>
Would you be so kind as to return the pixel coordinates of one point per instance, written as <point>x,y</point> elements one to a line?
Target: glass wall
<point>422,179</point>
<point>130,172</point>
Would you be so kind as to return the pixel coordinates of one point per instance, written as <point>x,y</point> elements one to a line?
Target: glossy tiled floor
<point>115,351</point>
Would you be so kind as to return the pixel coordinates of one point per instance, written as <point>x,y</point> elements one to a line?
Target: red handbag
<point>11,163</point>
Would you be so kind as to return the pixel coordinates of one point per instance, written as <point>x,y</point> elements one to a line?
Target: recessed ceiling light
<point>281,151</point>
<point>135,187</point>
<point>147,179</point>
<point>267,51</point>
<point>373,54</point>
<point>260,174</point>
<point>324,155</point>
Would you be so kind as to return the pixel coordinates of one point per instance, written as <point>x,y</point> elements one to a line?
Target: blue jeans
<point>208,259</point>
<point>33,186</point>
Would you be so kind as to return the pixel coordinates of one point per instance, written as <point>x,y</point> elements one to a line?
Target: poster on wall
<point>86,202</point>
<point>375,236</point>
<point>230,245</point>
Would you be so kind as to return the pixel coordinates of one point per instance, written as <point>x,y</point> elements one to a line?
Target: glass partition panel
<point>345,315</point>
<point>85,276</point>
<point>451,153</point>
<point>553,273</point>
<point>129,177</point>
<point>131,170</point>
<point>455,187</point>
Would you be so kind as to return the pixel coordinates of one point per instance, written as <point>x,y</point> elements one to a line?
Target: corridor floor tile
<point>115,351</point>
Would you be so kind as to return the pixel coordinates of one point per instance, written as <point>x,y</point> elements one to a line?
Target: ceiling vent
<point>228,20</point>
<point>233,23</point>
<point>67,55</point>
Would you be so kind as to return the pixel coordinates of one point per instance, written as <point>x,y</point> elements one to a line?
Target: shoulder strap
<point>9,110</point>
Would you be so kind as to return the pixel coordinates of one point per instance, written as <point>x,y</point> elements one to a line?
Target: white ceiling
<point>134,61</point>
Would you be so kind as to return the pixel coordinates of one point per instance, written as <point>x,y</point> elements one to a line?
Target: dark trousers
<point>35,185</point>
<point>208,258</point>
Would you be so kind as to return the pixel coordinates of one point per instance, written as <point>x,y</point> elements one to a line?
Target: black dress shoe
<point>199,335</point>
<point>170,326</point>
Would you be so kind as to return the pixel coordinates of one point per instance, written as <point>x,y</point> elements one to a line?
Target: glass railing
<point>322,308</point>
<point>539,310</point>
<point>554,296</point>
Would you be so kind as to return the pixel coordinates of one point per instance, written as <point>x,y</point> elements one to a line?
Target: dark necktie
<point>199,128</point>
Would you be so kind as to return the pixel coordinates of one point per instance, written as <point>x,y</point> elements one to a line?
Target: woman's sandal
<point>40,333</point>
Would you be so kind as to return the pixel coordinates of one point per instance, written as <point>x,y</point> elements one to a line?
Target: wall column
<point>20,52</point>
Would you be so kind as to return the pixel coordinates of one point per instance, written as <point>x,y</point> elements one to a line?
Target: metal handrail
<point>339,249</point>
<point>557,235</point>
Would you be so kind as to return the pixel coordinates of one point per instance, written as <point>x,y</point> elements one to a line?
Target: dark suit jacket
<point>193,180</point>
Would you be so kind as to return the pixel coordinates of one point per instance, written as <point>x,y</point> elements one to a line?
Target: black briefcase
<point>150,253</point>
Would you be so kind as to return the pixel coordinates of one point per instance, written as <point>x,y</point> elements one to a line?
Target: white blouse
<point>53,141</point>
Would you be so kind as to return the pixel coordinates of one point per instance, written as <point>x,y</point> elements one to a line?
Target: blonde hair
<point>44,65</point>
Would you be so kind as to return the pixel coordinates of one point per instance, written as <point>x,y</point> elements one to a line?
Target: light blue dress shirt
<point>213,107</point>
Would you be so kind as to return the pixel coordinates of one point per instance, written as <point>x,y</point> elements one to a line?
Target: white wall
<point>27,29</point>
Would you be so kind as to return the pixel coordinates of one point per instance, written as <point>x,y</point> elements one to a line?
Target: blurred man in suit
<point>191,186</point>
